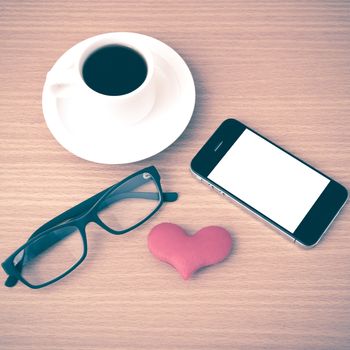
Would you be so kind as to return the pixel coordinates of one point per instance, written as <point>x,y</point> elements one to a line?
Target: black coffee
<point>114,70</point>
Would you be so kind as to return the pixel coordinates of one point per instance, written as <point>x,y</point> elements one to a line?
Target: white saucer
<point>171,113</point>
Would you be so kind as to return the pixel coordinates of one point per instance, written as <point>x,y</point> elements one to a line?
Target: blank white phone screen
<point>269,180</point>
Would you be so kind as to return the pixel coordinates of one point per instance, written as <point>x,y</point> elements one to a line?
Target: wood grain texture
<point>283,68</point>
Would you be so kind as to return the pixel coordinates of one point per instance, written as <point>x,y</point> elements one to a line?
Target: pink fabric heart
<point>170,243</point>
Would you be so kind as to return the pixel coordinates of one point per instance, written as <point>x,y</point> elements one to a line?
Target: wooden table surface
<point>281,67</point>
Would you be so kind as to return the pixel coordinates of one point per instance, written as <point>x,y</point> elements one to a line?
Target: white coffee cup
<point>93,108</point>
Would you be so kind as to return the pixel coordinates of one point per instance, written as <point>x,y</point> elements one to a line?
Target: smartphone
<point>293,196</point>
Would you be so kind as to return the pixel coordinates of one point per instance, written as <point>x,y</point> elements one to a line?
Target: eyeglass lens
<point>130,203</point>
<point>51,255</point>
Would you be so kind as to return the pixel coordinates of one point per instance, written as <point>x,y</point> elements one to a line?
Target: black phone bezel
<point>319,217</point>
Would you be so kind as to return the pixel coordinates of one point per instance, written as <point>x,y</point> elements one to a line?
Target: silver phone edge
<point>289,237</point>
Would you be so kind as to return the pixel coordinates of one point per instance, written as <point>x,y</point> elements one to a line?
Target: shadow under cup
<point>114,70</point>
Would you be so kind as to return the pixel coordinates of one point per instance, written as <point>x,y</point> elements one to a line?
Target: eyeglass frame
<point>80,216</point>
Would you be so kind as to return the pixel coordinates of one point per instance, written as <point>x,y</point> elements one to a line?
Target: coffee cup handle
<point>60,81</point>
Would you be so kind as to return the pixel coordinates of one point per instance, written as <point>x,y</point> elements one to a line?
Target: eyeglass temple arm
<point>50,240</point>
<point>81,208</point>
<point>70,214</point>
<point>167,197</point>
<point>87,204</point>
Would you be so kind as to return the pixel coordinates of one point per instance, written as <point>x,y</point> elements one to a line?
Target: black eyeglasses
<point>59,246</point>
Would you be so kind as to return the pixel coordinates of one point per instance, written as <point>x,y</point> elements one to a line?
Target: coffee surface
<point>114,70</point>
